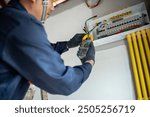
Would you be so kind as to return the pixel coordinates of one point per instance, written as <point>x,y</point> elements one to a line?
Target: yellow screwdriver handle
<point>88,36</point>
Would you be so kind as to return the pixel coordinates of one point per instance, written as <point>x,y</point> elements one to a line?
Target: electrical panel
<point>121,21</point>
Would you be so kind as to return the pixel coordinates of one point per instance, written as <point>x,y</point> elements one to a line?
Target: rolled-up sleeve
<point>34,58</point>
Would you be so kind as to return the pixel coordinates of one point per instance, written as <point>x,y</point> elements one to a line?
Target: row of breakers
<point>104,29</point>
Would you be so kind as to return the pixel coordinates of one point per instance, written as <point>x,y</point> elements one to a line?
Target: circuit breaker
<point>120,21</point>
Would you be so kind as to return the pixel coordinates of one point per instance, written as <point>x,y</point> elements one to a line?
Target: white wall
<point>64,25</point>
<point>69,18</point>
<point>111,77</point>
<point>110,6</point>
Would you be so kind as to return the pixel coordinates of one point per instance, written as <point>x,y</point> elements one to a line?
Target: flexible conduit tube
<point>139,66</point>
<point>134,67</point>
<point>148,35</point>
<point>147,51</point>
<point>144,63</point>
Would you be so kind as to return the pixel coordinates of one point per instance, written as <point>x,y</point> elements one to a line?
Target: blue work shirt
<point>27,55</point>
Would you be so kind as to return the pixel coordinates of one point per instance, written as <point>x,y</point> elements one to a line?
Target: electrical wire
<point>86,27</point>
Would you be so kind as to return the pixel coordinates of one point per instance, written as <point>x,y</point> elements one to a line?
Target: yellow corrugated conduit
<point>144,62</point>
<point>134,66</point>
<point>140,58</point>
<point>146,46</point>
<point>148,34</point>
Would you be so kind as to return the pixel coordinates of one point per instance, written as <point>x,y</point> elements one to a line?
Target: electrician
<point>26,54</point>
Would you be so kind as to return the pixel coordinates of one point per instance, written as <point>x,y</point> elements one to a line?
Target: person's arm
<point>35,59</point>
<point>92,62</point>
<point>60,47</point>
<point>64,46</point>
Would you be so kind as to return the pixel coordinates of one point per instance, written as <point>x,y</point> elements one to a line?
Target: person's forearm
<point>60,47</point>
<point>91,62</point>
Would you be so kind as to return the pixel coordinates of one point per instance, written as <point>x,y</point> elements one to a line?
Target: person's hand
<point>75,41</point>
<point>90,55</point>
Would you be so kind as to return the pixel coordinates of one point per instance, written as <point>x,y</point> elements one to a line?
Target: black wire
<point>86,24</point>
